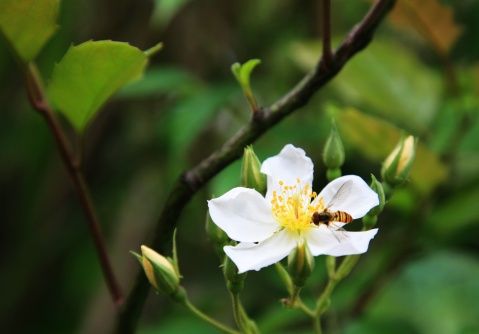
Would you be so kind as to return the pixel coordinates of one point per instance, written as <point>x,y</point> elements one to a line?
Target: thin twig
<point>326,32</point>
<point>191,181</point>
<point>223,328</point>
<point>38,101</point>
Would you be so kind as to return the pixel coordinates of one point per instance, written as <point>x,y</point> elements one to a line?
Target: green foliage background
<point>420,275</point>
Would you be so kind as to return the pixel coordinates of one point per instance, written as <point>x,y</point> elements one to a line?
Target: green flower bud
<point>161,273</point>
<point>333,154</point>
<point>332,174</point>
<point>234,281</point>
<point>378,188</point>
<point>216,235</point>
<point>398,164</point>
<point>300,264</point>
<point>251,177</point>
<point>331,265</point>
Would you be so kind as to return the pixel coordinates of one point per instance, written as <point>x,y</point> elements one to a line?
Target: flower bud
<point>300,264</point>
<point>333,154</point>
<point>234,281</point>
<point>378,189</point>
<point>331,265</point>
<point>161,273</point>
<point>333,173</point>
<point>216,235</point>
<point>251,176</point>
<point>398,164</point>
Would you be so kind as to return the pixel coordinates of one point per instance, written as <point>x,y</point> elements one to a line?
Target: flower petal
<point>249,256</point>
<point>350,194</point>
<point>244,215</point>
<point>288,166</point>
<point>324,241</point>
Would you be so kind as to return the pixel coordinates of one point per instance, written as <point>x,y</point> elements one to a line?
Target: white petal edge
<point>244,215</point>
<point>248,256</point>
<point>356,199</point>
<point>288,166</point>
<point>324,241</point>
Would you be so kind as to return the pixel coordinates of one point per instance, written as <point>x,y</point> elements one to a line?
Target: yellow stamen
<point>293,206</point>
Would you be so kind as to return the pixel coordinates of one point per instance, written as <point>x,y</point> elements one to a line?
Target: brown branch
<point>38,101</point>
<point>189,183</point>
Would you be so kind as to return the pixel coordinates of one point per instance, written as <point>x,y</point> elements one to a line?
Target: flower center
<point>294,205</point>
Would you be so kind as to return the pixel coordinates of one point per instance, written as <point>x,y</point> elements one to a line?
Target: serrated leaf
<point>376,138</point>
<point>430,18</point>
<point>28,24</point>
<point>89,74</point>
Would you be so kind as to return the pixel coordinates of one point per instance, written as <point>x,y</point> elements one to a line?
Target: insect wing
<point>338,231</point>
<point>341,195</point>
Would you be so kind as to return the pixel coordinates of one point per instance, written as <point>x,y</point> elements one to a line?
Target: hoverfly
<point>329,217</point>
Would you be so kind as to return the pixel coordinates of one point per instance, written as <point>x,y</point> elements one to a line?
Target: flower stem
<point>324,299</point>
<point>317,325</point>
<point>303,307</point>
<point>236,310</point>
<point>223,328</point>
<point>244,323</point>
<point>294,295</point>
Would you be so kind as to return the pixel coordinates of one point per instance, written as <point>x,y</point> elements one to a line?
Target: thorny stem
<point>39,102</point>
<point>191,181</point>
<point>208,319</point>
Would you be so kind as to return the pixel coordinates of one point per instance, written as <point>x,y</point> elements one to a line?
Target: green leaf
<point>188,117</point>
<point>160,81</point>
<point>243,72</point>
<point>89,74</point>
<point>386,80</point>
<point>436,294</point>
<point>376,138</point>
<point>393,83</point>
<point>28,24</point>
<point>165,11</point>
<point>455,213</point>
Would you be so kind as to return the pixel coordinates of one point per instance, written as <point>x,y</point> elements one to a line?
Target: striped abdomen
<point>341,216</point>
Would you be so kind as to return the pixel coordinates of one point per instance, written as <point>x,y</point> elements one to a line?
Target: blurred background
<point>420,75</point>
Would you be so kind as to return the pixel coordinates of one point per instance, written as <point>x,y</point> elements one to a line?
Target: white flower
<point>269,228</point>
